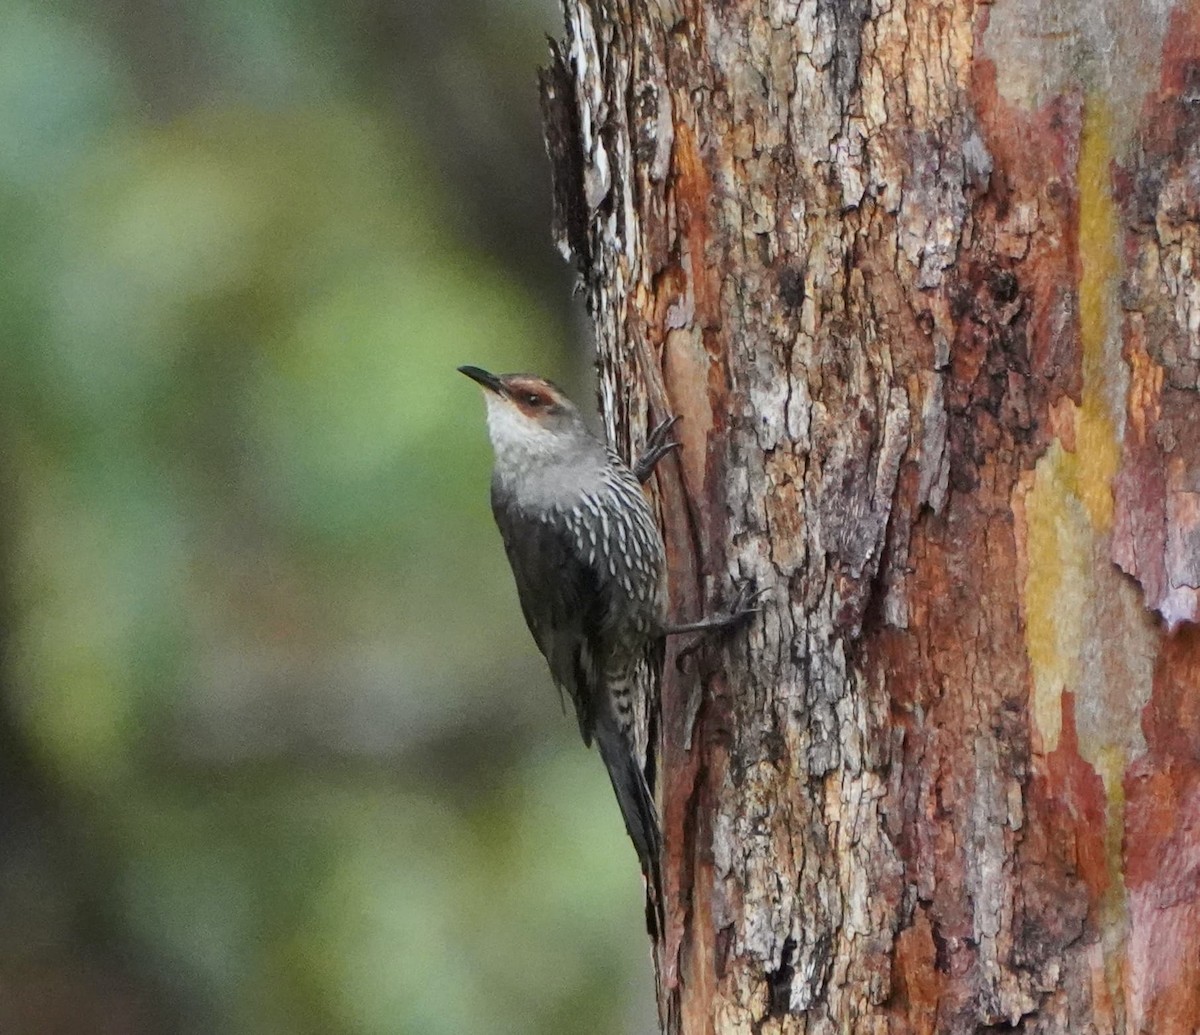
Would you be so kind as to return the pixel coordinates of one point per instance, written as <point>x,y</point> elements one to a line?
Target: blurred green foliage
<point>300,768</point>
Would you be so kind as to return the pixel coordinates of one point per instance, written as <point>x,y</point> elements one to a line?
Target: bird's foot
<point>658,444</point>
<point>745,603</point>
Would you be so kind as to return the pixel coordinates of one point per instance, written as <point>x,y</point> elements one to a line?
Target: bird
<point>589,564</point>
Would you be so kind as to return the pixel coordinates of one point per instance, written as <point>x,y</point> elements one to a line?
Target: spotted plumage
<point>588,561</point>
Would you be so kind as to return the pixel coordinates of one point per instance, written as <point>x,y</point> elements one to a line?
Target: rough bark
<point>918,276</point>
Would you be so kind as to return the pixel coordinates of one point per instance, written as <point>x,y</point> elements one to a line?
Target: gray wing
<point>564,601</point>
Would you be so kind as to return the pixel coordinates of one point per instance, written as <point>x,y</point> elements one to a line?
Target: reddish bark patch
<point>1162,849</point>
<point>1063,860</point>
<point>694,756</point>
<point>693,193</point>
<point>917,979</point>
<point>1035,156</point>
<point>1078,806</point>
<point>1181,51</point>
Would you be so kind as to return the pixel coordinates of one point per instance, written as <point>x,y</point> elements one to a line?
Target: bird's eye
<point>533,400</point>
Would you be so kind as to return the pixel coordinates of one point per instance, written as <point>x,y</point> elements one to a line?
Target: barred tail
<point>633,795</point>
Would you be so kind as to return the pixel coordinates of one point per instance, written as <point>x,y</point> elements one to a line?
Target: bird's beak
<point>489,381</point>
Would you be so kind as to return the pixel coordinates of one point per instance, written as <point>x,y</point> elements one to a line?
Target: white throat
<point>520,443</point>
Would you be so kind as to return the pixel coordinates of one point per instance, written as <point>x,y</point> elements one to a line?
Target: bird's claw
<point>660,431</point>
<point>746,602</point>
<point>658,444</point>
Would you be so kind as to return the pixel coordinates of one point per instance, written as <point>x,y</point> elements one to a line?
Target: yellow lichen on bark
<point>1057,552</point>
<point>1068,501</point>
<point>1098,451</point>
<point>1075,643</point>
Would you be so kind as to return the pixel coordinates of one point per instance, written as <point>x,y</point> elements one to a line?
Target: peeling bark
<point>919,278</point>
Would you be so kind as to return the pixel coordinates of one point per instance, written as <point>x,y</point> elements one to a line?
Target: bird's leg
<point>658,445</point>
<point>744,605</point>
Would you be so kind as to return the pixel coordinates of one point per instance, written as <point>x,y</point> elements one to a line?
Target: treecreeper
<point>590,567</point>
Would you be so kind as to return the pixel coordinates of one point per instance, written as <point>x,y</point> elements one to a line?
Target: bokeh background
<point>277,754</point>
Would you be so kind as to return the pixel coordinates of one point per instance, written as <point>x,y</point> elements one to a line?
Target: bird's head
<point>528,417</point>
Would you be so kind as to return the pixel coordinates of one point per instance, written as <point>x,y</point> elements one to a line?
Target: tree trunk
<point>918,276</point>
